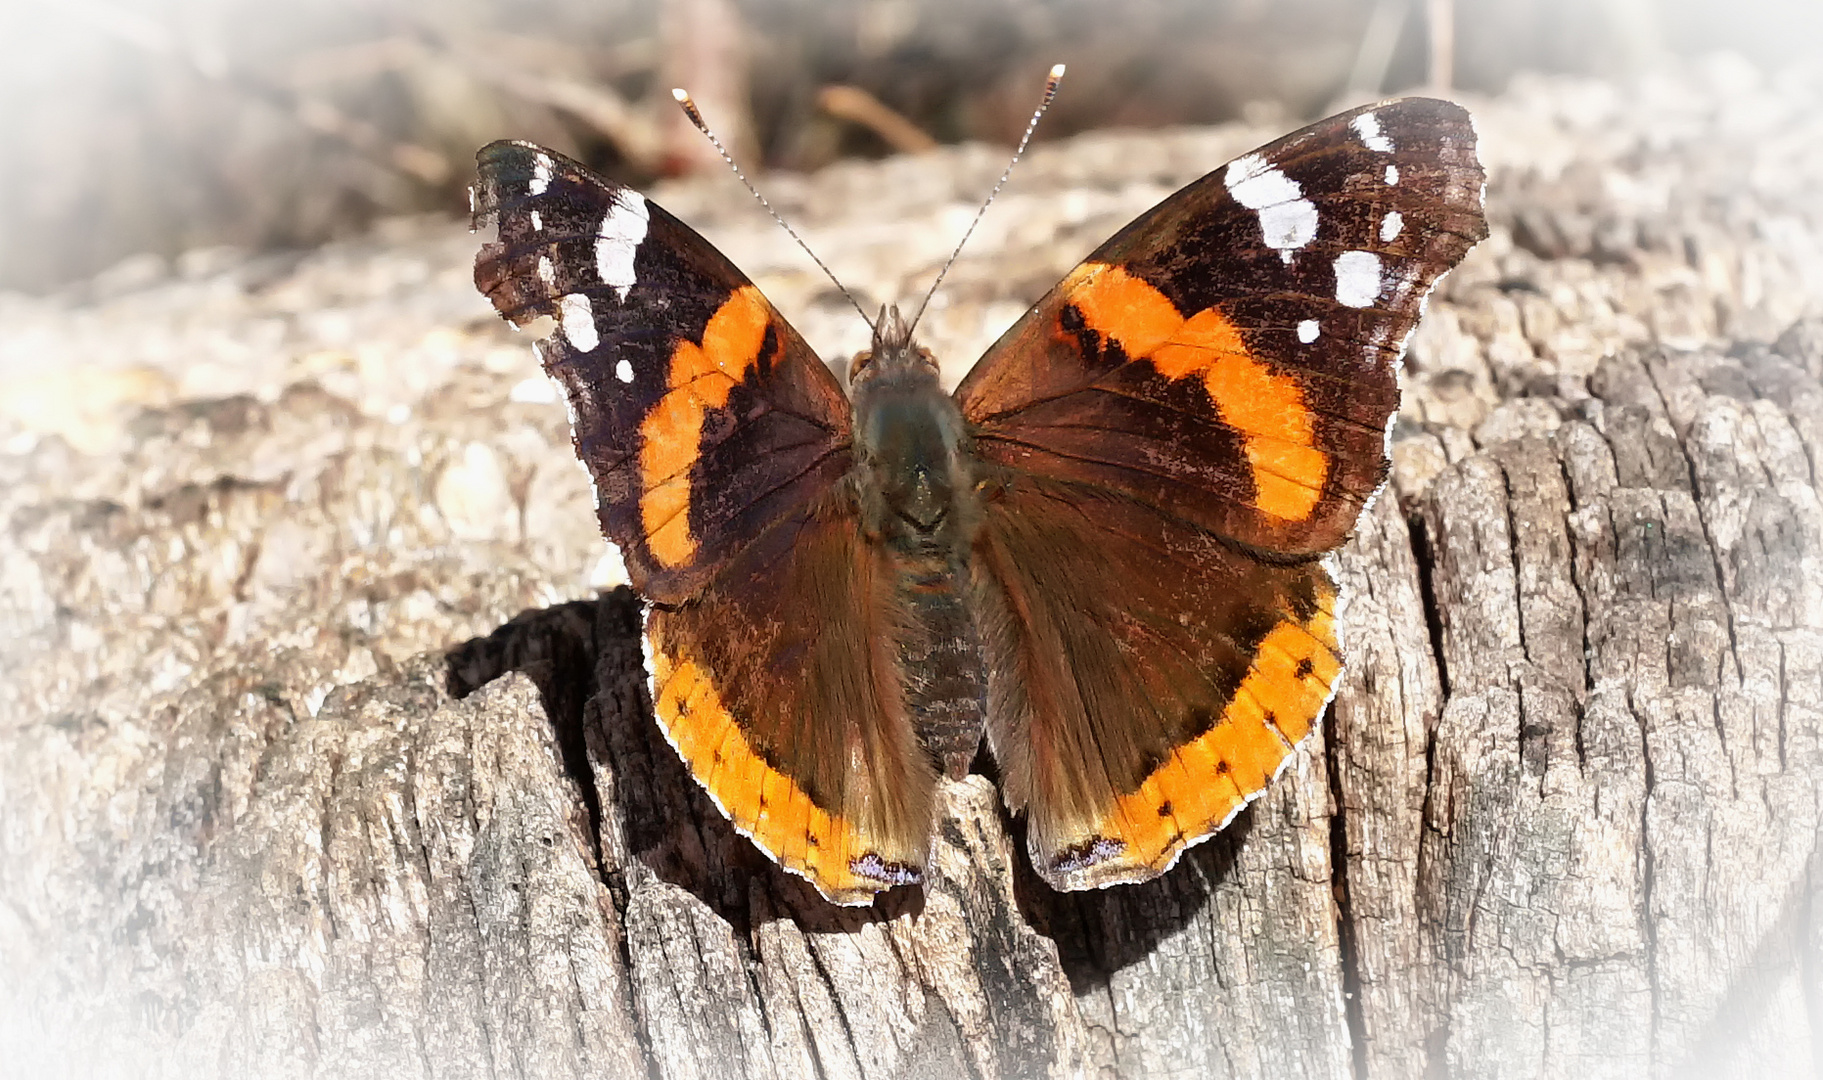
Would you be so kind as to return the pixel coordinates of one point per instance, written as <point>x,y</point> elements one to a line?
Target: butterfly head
<point>894,357</point>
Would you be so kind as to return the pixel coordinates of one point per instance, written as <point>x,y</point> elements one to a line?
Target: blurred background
<point>139,129</point>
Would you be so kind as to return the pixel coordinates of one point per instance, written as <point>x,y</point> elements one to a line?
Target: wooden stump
<point>323,756</point>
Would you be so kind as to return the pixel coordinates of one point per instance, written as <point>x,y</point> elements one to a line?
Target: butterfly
<point>1103,553</point>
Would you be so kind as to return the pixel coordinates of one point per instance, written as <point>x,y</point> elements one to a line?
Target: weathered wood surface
<point>320,760</point>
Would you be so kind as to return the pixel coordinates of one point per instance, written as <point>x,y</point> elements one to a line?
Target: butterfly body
<point>1103,552</point>
<point>919,506</point>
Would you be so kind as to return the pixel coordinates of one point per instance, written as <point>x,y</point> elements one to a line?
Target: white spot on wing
<point>1392,175</point>
<point>537,221</point>
<point>1357,278</point>
<point>623,371</point>
<point>1367,125</point>
<point>1287,219</point>
<point>1308,330</point>
<point>578,321</point>
<point>542,170</point>
<point>1390,226</point>
<point>618,239</point>
<point>546,272</point>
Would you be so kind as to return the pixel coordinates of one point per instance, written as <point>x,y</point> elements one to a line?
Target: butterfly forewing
<point>1230,356</point>
<point>1172,438</point>
<point>701,415</point>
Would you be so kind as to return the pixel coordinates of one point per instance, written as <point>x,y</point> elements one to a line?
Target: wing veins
<point>1123,466</point>
<point>1099,387</point>
<point>1099,427</point>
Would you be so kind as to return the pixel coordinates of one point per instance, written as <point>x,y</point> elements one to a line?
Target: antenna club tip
<point>1056,71</point>
<point>690,110</point>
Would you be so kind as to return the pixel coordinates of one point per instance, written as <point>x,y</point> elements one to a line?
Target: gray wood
<point>324,758</point>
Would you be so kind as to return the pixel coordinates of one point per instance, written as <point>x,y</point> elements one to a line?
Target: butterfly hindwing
<point>777,693</point>
<point>1173,437</point>
<point>1147,679</point>
<point>699,412</point>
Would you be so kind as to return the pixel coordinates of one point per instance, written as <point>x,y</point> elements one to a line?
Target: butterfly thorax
<point>915,485</point>
<point>912,466</point>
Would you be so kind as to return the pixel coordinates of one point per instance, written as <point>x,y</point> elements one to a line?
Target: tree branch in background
<point>314,113</point>
<point>1440,27</point>
<point>857,106</point>
<point>630,127</point>
<point>704,50</point>
<point>1367,78</point>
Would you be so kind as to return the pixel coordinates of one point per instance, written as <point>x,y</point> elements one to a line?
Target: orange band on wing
<point>1206,780</point>
<point>1266,408</point>
<point>700,378</point>
<point>762,802</point>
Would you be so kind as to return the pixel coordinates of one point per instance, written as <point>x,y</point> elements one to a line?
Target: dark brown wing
<point>778,692</point>
<point>1146,680</point>
<point>1231,355</point>
<point>1172,437</point>
<point>716,440</point>
<point>700,413</point>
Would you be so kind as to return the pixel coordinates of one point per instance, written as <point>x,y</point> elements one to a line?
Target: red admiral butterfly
<point>1102,551</point>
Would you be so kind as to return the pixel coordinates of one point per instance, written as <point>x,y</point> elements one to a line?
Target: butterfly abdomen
<point>942,667</point>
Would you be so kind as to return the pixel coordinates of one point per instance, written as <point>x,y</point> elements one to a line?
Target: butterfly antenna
<point>1050,92</point>
<point>696,117</point>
